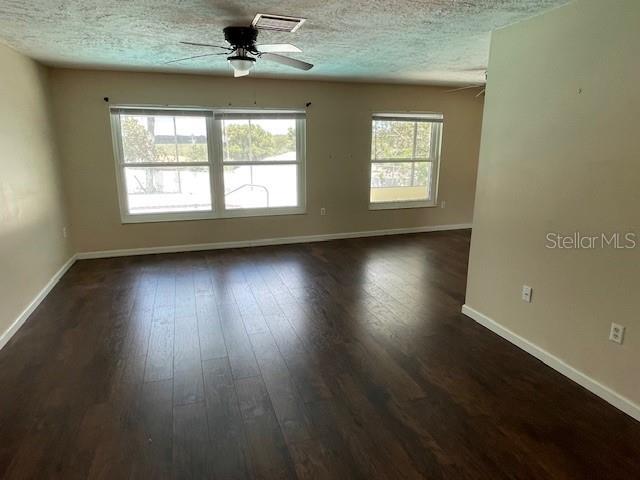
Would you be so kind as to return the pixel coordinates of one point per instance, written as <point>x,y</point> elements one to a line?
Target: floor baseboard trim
<point>266,241</point>
<point>620,402</point>
<point>18,322</point>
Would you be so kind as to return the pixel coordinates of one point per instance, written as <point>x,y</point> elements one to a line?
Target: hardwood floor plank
<point>285,399</point>
<point>187,364</point>
<point>156,410</point>
<point>160,355</point>
<point>226,429</point>
<point>241,358</point>
<point>268,453</point>
<point>209,329</point>
<point>191,446</point>
<point>314,459</point>
<point>345,359</point>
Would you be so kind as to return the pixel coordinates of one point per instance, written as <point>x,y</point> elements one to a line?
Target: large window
<point>189,164</point>
<point>405,156</point>
<point>260,161</point>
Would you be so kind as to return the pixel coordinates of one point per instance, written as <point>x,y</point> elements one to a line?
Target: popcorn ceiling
<point>412,41</point>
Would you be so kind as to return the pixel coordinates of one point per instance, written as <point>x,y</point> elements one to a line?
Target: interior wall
<point>338,144</point>
<point>560,154</point>
<point>32,245</point>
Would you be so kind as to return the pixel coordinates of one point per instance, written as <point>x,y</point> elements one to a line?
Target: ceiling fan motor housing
<point>241,37</point>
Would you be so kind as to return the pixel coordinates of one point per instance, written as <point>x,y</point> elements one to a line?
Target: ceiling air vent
<point>281,23</point>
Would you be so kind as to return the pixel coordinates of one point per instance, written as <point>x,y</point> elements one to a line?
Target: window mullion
<point>164,164</point>
<point>400,160</point>
<point>436,136</point>
<point>413,164</point>
<point>260,163</point>
<point>121,183</point>
<point>175,136</point>
<point>375,140</point>
<point>301,162</point>
<point>217,164</point>
<point>415,138</point>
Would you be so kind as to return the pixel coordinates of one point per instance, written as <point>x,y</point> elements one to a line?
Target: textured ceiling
<point>413,41</point>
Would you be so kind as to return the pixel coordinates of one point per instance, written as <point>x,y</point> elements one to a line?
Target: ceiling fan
<point>243,51</point>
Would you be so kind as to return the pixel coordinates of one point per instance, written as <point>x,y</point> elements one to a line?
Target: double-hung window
<point>405,158</point>
<point>184,164</point>
<point>262,160</point>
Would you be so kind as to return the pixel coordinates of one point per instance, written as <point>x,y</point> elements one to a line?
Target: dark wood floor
<point>340,360</point>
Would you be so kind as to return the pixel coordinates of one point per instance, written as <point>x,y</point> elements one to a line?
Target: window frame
<point>300,163</point>
<point>434,158</point>
<point>215,163</point>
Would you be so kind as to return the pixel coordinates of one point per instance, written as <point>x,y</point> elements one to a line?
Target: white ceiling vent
<point>281,23</point>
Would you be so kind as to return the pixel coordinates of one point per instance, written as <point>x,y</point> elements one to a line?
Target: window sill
<point>401,205</point>
<point>191,216</point>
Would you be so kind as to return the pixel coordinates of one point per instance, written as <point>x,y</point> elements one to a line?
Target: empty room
<point>319,240</point>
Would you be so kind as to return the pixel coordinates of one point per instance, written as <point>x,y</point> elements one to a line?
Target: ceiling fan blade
<point>291,62</point>
<point>206,45</point>
<point>194,56</point>
<point>278,48</point>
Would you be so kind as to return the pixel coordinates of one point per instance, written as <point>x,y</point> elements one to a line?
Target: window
<point>405,156</point>
<point>260,161</point>
<point>190,164</point>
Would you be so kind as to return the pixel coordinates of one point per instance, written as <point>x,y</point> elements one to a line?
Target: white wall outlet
<point>616,334</point>
<point>443,203</point>
<point>64,232</point>
<point>526,293</point>
<point>323,211</point>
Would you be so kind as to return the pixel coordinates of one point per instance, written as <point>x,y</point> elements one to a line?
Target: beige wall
<point>561,153</point>
<point>338,143</point>
<point>32,247</point>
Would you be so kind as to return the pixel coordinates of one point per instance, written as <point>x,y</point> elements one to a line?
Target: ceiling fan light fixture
<point>244,51</point>
<point>241,65</point>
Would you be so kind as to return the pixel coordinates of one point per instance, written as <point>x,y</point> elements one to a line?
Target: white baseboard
<point>10,332</point>
<point>602,391</point>
<point>265,241</point>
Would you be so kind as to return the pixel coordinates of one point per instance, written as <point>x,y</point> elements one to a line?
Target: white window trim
<point>215,164</point>
<point>435,154</point>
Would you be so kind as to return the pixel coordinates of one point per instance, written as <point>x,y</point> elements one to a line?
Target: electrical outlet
<point>64,232</point>
<point>323,211</point>
<point>526,293</point>
<point>616,334</point>
<point>443,204</point>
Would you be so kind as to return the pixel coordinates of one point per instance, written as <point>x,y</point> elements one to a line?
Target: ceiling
<point>410,41</point>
